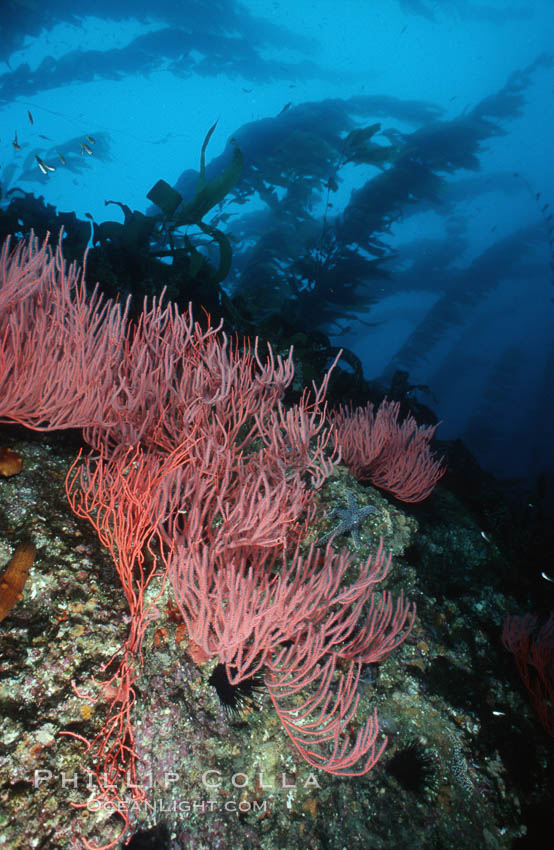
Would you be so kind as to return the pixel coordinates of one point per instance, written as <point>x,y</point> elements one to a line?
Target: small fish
<point>44,167</point>
<point>453,98</point>
<point>48,138</point>
<point>546,577</point>
<point>15,143</point>
<point>484,536</point>
<point>499,714</point>
<point>404,28</point>
<point>248,91</point>
<point>91,140</point>
<point>31,121</point>
<point>537,196</point>
<point>493,228</point>
<point>85,149</point>
<point>62,159</point>
<point>14,577</point>
<point>285,107</point>
<point>545,207</point>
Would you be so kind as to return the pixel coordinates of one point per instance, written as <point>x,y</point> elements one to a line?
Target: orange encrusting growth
<point>14,577</point>
<point>10,463</point>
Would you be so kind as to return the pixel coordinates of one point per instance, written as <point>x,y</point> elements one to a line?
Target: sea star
<point>350,518</point>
